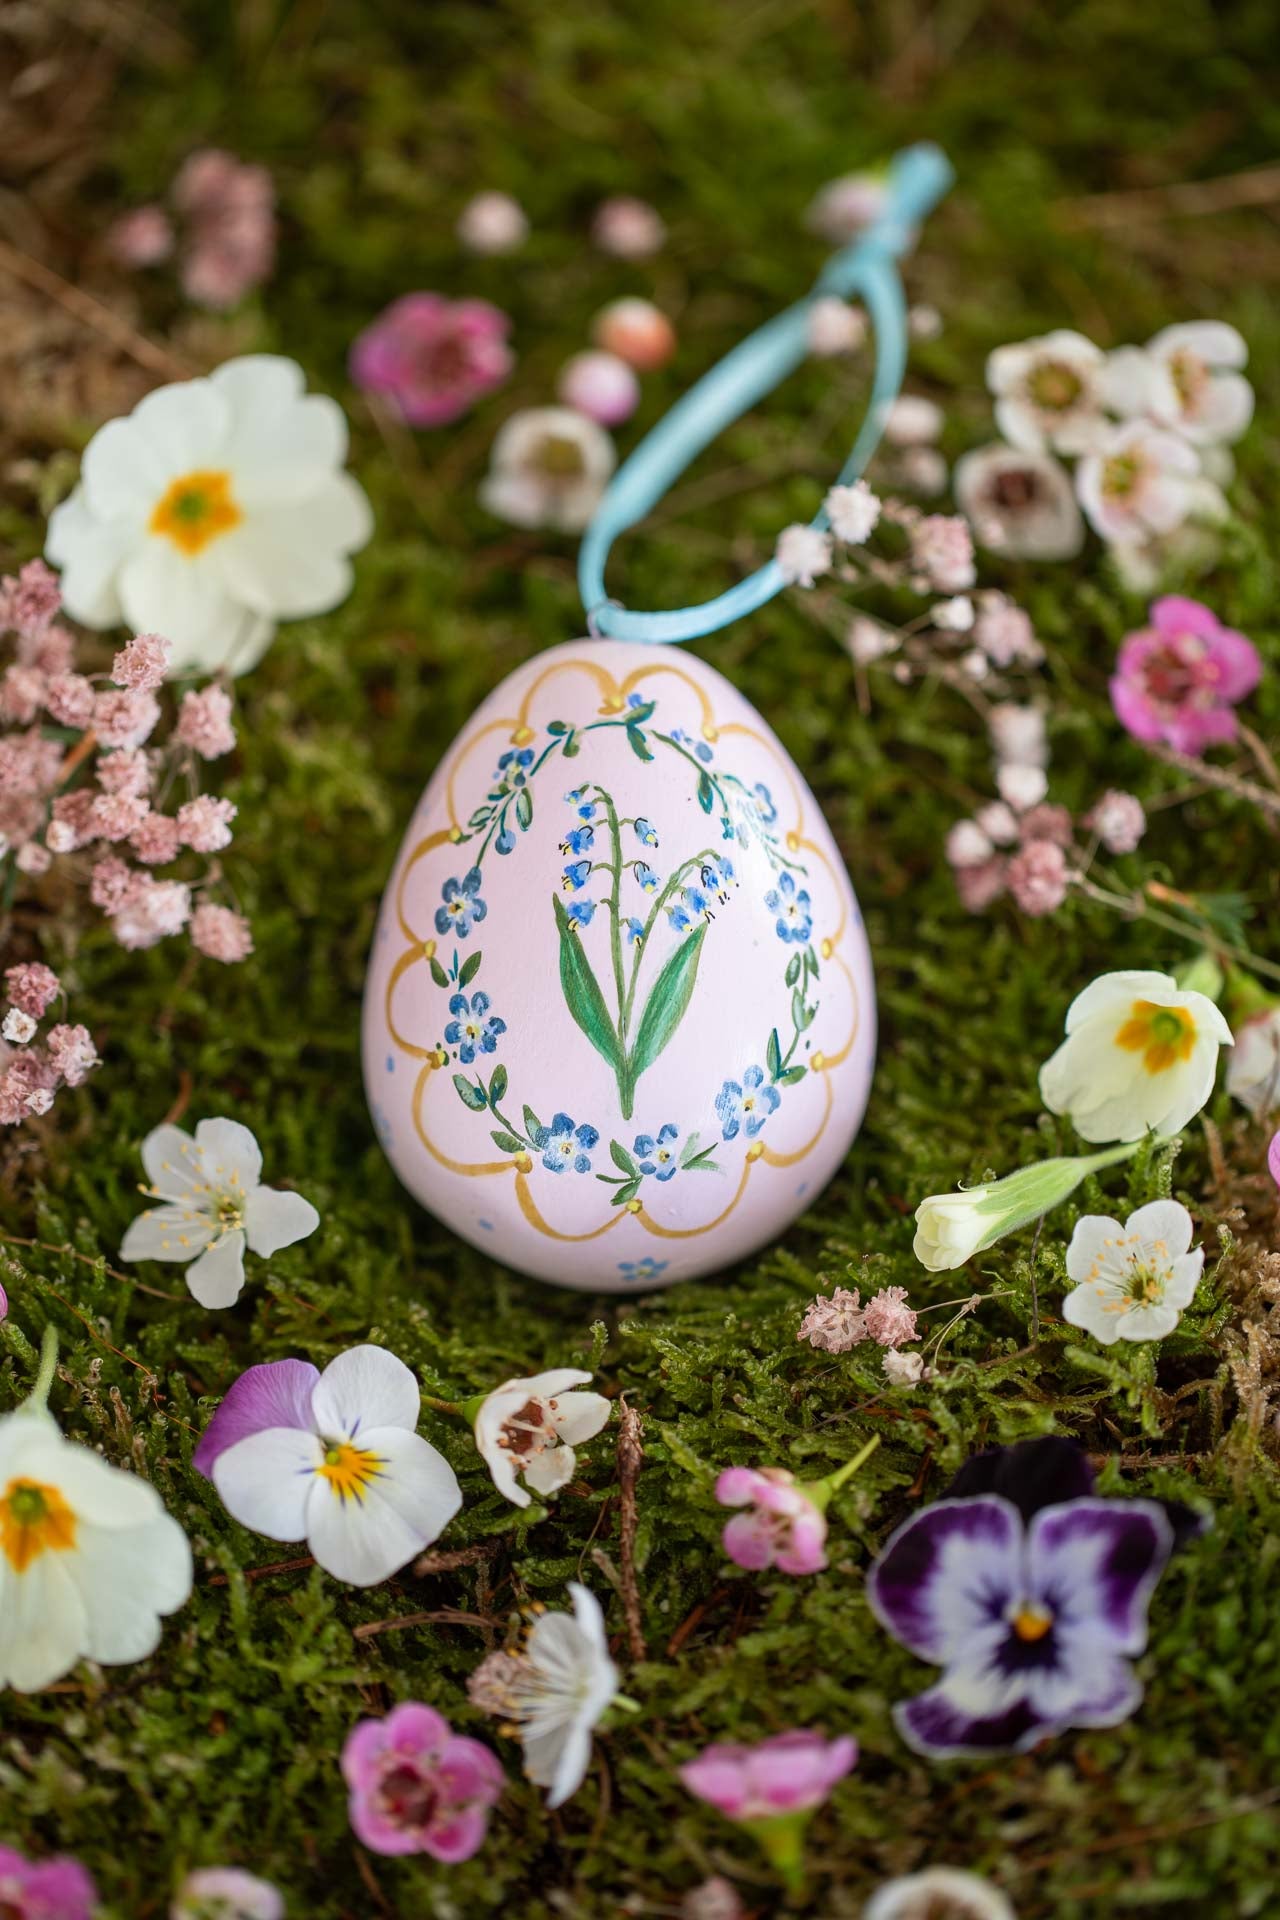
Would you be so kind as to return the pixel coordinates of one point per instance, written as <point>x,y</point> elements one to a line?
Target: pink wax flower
<point>57,1889</point>
<point>601,385</point>
<point>942,548</point>
<point>789,1773</point>
<point>204,723</point>
<point>418,1787</point>
<point>143,663</point>
<point>32,987</point>
<point>141,238</point>
<point>433,358</point>
<point>221,934</point>
<point>1179,679</point>
<point>781,1526</point>
<point>1038,878</point>
<point>1273,1158</point>
<point>888,1318</point>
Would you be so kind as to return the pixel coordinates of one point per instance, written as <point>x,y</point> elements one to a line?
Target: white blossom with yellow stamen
<point>214,509</point>
<point>1140,1055</point>
<point>1132,1281</point>
<point>213,1206</point>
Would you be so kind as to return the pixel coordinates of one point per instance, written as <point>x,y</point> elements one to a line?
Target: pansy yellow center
<point>197,508</point>
<point>34,1519</point>
<point>1162,1035</point>
<point>349,1469</point>
<point>1054,386</point>
<point>1031,1621</point>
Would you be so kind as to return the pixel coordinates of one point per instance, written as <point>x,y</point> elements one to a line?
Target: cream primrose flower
<point>89,1559</point>
<point>214,509</point>
<point>1140,1054</point>
<point>214,1206</point>
<point>556,1689</point>
<point>1049,392</point>
<point>938,1893</point>
<point>532,1426</point>
<point>952,1227</point>
<point>548,468</point>
<point>334,1459</point>
<point>1132,1281</point>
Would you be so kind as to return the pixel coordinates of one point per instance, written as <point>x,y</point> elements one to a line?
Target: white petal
<point>89,553</point>
<point>580,1416</point>
<point>1088,1243</point>
<point>266,1480</point>
<point>274,1219</point>
<point>123,475</point>
<point>1224,411</point>
<point>550,1470</point>
<point>231,1154</point>
<point>1147,1323</point>
<point>283,442</point>
<point>1165,1220</point>
<point>365,1539</point>
<point>290,561</point>
<point>94,1490</point>
<point>365,1387</point>
<point>127,1580</point>
<point>502,1467</point>
<point>162,590</point>
<point>217,1276</point>
<point>1018,423</point>
<point>178,428</point>
<point>1213,341</point>
<point>1093,1312</point>
<point>1184,1279</point>
<point>167,1233</point>
<point>1111,991</point>
<point>172,1161</point>
<point>43,1629</point>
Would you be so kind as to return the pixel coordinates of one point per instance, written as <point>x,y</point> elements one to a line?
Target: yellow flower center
<point>1054,386</point>
<point>349,1470</point>
<point>196,509</point>
<point>1031,1622</point>
<point>1162,1035</point>
<point>34,1519</point>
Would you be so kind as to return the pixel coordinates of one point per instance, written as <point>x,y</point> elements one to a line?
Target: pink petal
<point>1273,1158</point>
<point>748,1542</point>
<point>1174,614</point>
<point>457,1837</point>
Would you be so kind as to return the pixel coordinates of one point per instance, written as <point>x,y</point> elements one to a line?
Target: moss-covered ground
<point>378,122</point>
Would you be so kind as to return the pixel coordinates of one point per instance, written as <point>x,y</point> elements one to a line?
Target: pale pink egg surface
<point>619,1021</point>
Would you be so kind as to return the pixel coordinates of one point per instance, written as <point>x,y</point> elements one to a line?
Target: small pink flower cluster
<point>227,209</point>
<point>30,1074</point>
<point>836,1321</point>
<point>1028,848</point>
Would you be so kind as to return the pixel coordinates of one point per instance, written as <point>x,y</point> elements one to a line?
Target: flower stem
<point>820,1491</point>
<point>443,1406</point>
<point>37,1400</point>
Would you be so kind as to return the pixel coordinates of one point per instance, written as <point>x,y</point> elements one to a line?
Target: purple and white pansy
<point>1030,1592</point>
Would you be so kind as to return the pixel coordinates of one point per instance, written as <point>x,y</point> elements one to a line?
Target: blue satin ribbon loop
<point>918,177</point>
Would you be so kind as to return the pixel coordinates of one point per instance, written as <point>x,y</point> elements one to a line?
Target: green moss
<point>378,123</point>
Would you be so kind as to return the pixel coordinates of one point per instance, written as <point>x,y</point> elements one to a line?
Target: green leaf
<point>627,1191</point>
<point>582,990</point>
<point>470,1095</point>
<point>621,1158</point>
<point>636,741</point>
<point>636,716</point>
<point>438,973</point>
<point>811,963</point>
<point>668,999</point>
<point>773,1055</point>
<point>470,968</point>
<point>557,726</point>
<point>497,1085</point>
<point>532,1124</point>
<point>801,1016</point>
<point>507,1141</point>
<point>572,745</point>
<point>524,809</point>
<point>793,969</point>
<point>789,1078</point>
<point>706,792</point>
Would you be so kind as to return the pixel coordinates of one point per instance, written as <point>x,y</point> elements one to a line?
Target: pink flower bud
<point>637,331</point>
<point>600,385</point>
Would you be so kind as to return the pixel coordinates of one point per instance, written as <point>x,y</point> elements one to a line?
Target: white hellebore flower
<point>939,1893</point>
<point>1140,481</point>
<point>214,1205</point>
<point>1141,1053</point>
<point>1049,392</point>
<point>532,1426</point>
<point>334,1459</point>
<point>1132,1281</point>
<point>548,468</point>
<point>216,508</point>
<point>89,1559</point>
<point>556,1689</point>
<point>1019,503</point>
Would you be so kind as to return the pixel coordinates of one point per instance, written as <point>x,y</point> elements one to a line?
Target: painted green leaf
<point>532,1124</point>
<point>665,1007</point>
<point>572,745</point>
<point>706,792</point>
<point>524,809</point>
<point>621,1158</point>
<point>470,1095</point>
<point>636,716</point>
<point>557,726</point>
<point>773,1055</point>
<point>793,969</point>
<point>507,1141</point>
<point>582,990</point>
<point>789,1078</point>
<point>470,968</point>
<point>801,1016</point>
<point>438,973</point>
<point>497,1085</point>
<point>636,742</point>
<point>627,1191</point>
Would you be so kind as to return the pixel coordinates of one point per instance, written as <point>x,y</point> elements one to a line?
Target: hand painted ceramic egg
<point>619,1022</point>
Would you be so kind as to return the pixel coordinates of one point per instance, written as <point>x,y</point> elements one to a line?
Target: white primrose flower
<point>1019,503</point>
<point>1141,1053</point>
<point>1132,1281</point>
<point>952,1227</point>
<point>1140,480</point>
<point>89,1559</point>
<point>531,1427</point>
<point>214,509</point>
<point>548,468</point>
<point>556,1689</point>
<point>1049,392</point>
<point>334,1459</point>
<point>214,1206</point>
<point>938,1893</point>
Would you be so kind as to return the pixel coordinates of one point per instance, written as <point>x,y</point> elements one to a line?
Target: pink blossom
<point>157,837</point>
<point>1005,633</point>
<point>783,1527</point>
<point>72,1053</point>
<point>890,1321</point>
<point>629,229</point>
<point>1273,1157</point>
<point>967,845</point>
<point>143,663</point>
<point>23,691</point>
<point>637,331</point>
<point>432,357</point>
<point>152,911</point>
<point>32,859</point>
<point>979,887</point>
<point>56,1889</point>
<point>833,1322</point>
<point>112,884</point>
<point>30,600</point>
<point>493,223</point>
<point>1038,877</point>
<point>789,1773</point>
<point>4,1312</point>
<point>601,385</point>
<point>204,722</point>
<point>1118,820</point>
<point>418,1787</point>
<point>220,934</point>
<point>942,548</point>
<point>50,650</point>
<point>116,815</point>
<point>29,763</point>
<point>1179,679</point>
<point>33,987</point>
<point>205,823</point>
<point>231,228</point>
<point>1047,821</point>
<point>126,771</point>
<point>125,718</point>
<point>69,698</point>
<point>141,238</point>
<point>28,1080</point>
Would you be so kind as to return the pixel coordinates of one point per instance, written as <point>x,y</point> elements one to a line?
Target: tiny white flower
<point>214,1205</point>
<point>1019,503</point>
<point>1049,392</point>
<point>976,664</point>
<point>214,509</point>
<point>1019,735</point>
<point>89,1559</point>
<point>1139,481</point>
<point>1132,1282</point>
<point>938,1893</point>
<point>835,327</point>
<point>1253,1071</point>
<point>869,641</point>
<point>924,322</point>
<point>334,1459</point>
<point>854,513</point>
<point>226,1893</point>
<point>493,223</point>
<point>556,1689</point>
<point>532,1426</point>
<point>18,1026</point>
<point>955,615</point>
<point>998,822</point>
<point>968,845</point>
<point>1021,787</point>
<point>921,470</point>
<point>548,468</point>
<point>913,421</point>
<point>1140,1052</point>
<point>803,553</point>
<point>844,207</point>
<point>903,1369</point>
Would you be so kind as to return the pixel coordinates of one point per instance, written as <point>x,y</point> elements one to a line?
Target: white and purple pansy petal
<point>275,1394</point>
<point>943,1580</point>
<point>1096,1564</point>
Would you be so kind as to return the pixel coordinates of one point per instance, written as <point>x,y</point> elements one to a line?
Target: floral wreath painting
<point>620,1021</point>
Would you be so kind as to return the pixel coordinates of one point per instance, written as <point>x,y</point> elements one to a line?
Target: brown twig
<point>1138,1836</point>
<point>181,1100</point>
<point>1221,777</point>
<point>94,313</point>
<point>1257,187</point>
<point>459,1557</point>
<point>693,1619</point>
<point>630,1458</point>
<point>261,1573</point>
<point>441,1616</point>
<point>89,1260</point>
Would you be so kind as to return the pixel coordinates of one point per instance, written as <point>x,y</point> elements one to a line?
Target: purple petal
<point>1032,1474</point>
<point>937,1724</point>
<point>944,1579</point>
<point>275,1394</point>
<point>1096,1563</point>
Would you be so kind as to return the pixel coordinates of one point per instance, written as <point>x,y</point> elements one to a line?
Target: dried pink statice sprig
<point>835,1322</point>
